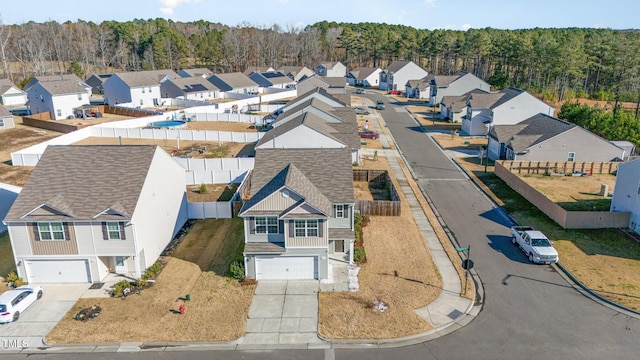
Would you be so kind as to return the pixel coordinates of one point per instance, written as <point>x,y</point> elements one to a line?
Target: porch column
<point>351,252</point>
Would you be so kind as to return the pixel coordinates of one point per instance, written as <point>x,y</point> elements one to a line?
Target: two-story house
<point>331,69</point>
<point>96,81</point>
<point>196,72</point>
<point>139,88</point>
<point>58,98</point>
<point>273,79</point>
<point>333,85</point>
<point>297,73</point>
<point>86,211</point>
<point>192,88</point>
<point>396,75</point>
<point>299,213</point>
<point>506,107</point>
<point>364,76</point>
<point>235,83</point>
<point>454,85</point>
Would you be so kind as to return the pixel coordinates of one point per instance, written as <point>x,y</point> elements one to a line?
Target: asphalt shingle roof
<point>194,84</point>
<point>6,84</point>
<point>307,119</point>
<point>457,103</point>
<point>234,80</point>
<point>531,131</point>
<point>63,87</point>
<point>83,181</point>
<point>198,72</point>
<point>396,65</point>
<point>362,72</point>
<point>145,78</point>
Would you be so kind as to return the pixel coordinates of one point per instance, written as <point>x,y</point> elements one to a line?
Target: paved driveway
<point>36,322</point>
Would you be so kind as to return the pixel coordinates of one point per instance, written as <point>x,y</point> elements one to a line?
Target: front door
<point>121,268</point>
<point>338,246</point>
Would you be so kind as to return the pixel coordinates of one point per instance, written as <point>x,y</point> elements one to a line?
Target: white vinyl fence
<point>168,134</point>
<point>215,210</point>
<point>215,171</point>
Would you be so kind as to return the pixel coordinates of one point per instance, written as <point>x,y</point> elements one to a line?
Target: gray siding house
<point>234,82</point>
<point>626,195</point>
<point>455,85</point>
<point>87,211</point>
<point>398,73</point>
<point>297,73</point>
<point>96,81</point>
<point>545,138</point>
<point>331,69</point>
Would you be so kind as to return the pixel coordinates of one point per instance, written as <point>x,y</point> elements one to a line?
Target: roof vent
<point>285,193</point>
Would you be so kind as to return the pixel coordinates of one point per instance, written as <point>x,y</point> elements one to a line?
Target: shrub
<point>14,280</point>
<point>359,254</point>
<point>118,288</point>
<point>236,270</point>
<point>153,270</point>
<point>202,189</point>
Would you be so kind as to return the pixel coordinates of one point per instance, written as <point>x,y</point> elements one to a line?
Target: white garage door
<point>57,271</point>
<point>287,268</point>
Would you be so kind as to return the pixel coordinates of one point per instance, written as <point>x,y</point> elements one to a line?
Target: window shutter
<point>105,232</point>
<point>122,234</point>
<point>65,227</point>
<point>252,225</point>
<point>36,232</point>
<point>291,228</point>
<point>320,228</point>
<point>281,226</point>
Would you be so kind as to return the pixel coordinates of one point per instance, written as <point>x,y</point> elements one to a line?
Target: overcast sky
<point>422,14</point>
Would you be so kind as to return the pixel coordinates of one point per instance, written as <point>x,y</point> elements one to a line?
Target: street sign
<point>467,264</point>
<point>461,249</point>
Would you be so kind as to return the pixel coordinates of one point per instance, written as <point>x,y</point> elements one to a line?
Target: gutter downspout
<point>135,249</point>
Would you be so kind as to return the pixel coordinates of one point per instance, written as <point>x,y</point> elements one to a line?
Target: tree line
<point>555,63</point>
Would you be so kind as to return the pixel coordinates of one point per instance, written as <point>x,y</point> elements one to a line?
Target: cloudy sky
<point>423,14</point>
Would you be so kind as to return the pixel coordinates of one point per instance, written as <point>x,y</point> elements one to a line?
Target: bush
<point>14,280</point>
<point>359,254</point>
<point>202,189</point>
<point>153,270</point>
<point>236,270</point>
<point>118,288</point>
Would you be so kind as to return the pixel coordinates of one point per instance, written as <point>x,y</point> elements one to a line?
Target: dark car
<point>380,105</point>
<point>361,111</point>
<point>368,134</point>
<point>360,91</point>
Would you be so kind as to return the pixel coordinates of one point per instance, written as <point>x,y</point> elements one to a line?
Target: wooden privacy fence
<point>377,207</point>
<point>559,167</point>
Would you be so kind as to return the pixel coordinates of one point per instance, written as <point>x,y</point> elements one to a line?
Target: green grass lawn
<point>6,255</point>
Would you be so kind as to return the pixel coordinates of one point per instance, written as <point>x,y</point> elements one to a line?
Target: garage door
<point>287,268</point>
<point>57,271</point>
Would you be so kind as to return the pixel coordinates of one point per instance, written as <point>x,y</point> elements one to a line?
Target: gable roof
<point>270,78</point>
<point>446,80</point>
<point>396,65</point>
<point>492,100</point>
<point>193,84</point>
<point>362,72</point>
<point>320,91</point>
<point>329,170</point>
<point>230,81</point>
<point>6,84</point>
<point>63,87</point>
<point>137,79</point>
<point>531,131</point>
<point>307,119</point>
<point>4,113</point>
<point>293,70</point>
<point>292,178</point>
<point>457,103</point>
<point>423,83</point>
<point>198,72</point>
<point>100,77</point>
<point>84,181</point>
<point>50,78</point>
<point>257,69</point>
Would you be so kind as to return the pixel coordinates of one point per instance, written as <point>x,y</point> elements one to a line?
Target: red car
<point>368,134</point>
<point>394,92</point>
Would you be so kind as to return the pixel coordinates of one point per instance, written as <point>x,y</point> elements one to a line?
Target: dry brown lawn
<point>399,270</point>
<point>221,126</point>
<point>561,189</point>
<point>215,192</point>
<point>14,175</point>
<point>459,143</point>
<point>22,137</point>
<point>217,311</point>
<point>106,117</point>
<point>214,148</point>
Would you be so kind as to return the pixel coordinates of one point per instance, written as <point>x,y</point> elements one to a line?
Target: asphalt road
<point>529,312</point>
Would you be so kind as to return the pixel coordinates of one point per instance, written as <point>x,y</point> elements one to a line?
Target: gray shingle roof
<point>6,84</point>
<point>531,131</point>
<point>63,87</point>
<point>49,78</point>
<point>446,80</point>
<point>4,112</point>
<point>84,181</point>
<point>193,84</point>
<point>457,103</point>
<point>321,91</point>
<point>307,119</point>
<point>362,72</point>
<point>293,179</point>
<point>329,170</point>
<point>230,81</point>
<point>198,72</point>
<point>396,65</point>
<point>293,70</point>
<point>335,81</point>
<point>145,78</point>
<point>257,69</point>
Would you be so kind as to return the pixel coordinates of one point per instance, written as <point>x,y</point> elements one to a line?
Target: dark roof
<point>230,81</point>
<point>329,170</point>
<point>84,181</point>
<point>531,131</point>
<point>362,73</point>
<point>270,78</point>
<point>293,179</point>
<point>193,84</point>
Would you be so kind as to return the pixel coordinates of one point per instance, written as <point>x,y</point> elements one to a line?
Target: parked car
<point>368,134</point>
<point>361,111</point>
<point>360,91</point>
<point>380,105</point>
<point>534,244</point>
<point>16,301</point>
<point>394,92</point>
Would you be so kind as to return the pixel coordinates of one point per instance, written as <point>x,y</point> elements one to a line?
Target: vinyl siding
<point>67,247</point>
<point>277,202</point>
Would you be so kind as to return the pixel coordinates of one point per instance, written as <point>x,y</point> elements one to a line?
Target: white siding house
<point>192,88</point>
<point>331,69</point>
<point>237,82</point>
<point>198,72</point>
<point>138,88</point>
<point>455,85</point>
<point>58,98</point>
<point>626,196</point>
<point>364,76</point>
<point>11,95</point>
<point>76,220</point>
<point>396,75</point>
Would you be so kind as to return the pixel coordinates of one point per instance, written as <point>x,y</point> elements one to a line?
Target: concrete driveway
<point>36,322</point>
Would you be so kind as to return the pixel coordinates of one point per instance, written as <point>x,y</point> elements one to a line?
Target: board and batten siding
<point>67,247</point>
<point>321,241</point>
<point>277,201</point>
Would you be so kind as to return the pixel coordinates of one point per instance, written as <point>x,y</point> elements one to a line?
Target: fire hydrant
<point>181,308</point>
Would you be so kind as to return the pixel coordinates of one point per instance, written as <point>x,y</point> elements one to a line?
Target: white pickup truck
<point>534,244</point>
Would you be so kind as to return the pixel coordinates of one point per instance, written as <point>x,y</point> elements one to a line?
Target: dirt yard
<point>459,143</point>
<point>399,270</point>
<point>196,269</point>
<point>22,137</point>
<point>370,191</point>
<point>221,126</point>
<point>214,149</point>
<point>568,190</point>
<point>106,117</point>
<point>215,192</point>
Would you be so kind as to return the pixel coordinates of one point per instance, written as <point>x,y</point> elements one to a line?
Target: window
<point>51,231</point>
<point>59,112</point>
<point>306,228</point>
<point>149,90</point>
<point>1,122</point>
<point>341,211</point>
<point>113,231</point>
<point>571,156</point>
<point>79,96</point>
<point>267,225</point>
<point>143,90</point>
<point>141,102</point>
